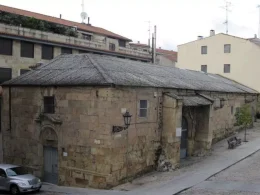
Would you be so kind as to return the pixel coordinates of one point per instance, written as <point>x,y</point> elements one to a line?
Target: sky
<point>177,21</point>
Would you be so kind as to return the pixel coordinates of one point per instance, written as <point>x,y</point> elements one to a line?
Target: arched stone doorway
<point>184,138</point>
<point>49,140</point>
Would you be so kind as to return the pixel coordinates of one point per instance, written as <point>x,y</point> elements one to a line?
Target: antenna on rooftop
<point>83,14</point>
<point>259,22</point>
<point>149,31</point>
<point>226,7</point>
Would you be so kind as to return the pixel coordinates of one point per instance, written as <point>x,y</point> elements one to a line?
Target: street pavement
<point>241,179</point>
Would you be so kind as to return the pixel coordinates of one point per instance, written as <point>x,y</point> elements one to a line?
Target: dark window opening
<point>143,108</point>
<point>227,48</point>
<point>23,71</point>
<point>226,68</point>
<point>122,43</point>
<point>6,46</point>
<point>87,37</point>
<point>82,51</point>
<point>204,68</point>
<point>27,49</point>
<point>112,47</point>
<point>5,74</point>
<point>49,106</point>
<point>65,50</point>
<point>204,49</point>
<point>47,52</point>
<point>232,110</point>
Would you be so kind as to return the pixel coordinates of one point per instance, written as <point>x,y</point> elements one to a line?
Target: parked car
<point>16,179</point>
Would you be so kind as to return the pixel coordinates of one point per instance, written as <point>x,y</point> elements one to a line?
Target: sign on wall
<point>178,132</point>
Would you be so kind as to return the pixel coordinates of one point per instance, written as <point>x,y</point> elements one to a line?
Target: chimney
<point>60,16</point>
<point>212,32</point>
<point>138,42</point>
<point>200,37</point>
<point>89,21</point>
<point>255,35</point>
<point>160,48</point>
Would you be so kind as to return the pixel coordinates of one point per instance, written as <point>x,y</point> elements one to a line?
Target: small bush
<point>244,117</point>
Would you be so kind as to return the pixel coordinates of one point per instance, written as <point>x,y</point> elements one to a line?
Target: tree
<point>244,118</point>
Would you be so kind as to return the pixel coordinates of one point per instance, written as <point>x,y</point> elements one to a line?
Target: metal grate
<point>33,181</point>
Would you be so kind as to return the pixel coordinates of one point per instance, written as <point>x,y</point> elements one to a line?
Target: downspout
<point>10,109</point>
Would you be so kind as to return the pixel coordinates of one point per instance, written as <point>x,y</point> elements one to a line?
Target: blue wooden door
<point>51,165</point>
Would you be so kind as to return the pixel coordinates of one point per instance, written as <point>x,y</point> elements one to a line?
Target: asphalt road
<point>240,179</point>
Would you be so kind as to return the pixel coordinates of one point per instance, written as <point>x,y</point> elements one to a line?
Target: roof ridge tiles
<point>100,70</point>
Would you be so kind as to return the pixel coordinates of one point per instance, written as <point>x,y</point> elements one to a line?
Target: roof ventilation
<point>200,37</point>
<point>212,32</point>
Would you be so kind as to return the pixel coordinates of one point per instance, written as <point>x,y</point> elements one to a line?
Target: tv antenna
<point>149,31</point>
<point>83,14</point>
<point>226,8</point>
<point>259,22</point>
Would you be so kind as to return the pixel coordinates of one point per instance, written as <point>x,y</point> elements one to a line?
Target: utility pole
<point>226,7</point>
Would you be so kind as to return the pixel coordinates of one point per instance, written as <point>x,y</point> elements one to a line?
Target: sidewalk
<point>168,183</point>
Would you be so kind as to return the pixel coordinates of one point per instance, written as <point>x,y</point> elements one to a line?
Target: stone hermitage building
<point>59,118</point>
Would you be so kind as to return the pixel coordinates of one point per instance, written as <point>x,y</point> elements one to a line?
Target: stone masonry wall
<point>222,120</point>
<point>96,157</point>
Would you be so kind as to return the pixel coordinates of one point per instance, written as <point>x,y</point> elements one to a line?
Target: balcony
<point>61,39</point>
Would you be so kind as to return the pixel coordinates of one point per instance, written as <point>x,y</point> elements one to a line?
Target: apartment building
<point>28,38</point>
<point>233,57</point>
<point>163,57</point>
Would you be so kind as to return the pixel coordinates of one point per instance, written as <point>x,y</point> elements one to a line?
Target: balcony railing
<point>56,38</point>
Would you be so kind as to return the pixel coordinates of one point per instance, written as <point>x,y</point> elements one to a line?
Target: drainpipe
<point>10,109</point>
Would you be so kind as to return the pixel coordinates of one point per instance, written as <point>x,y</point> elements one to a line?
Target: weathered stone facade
<point>82,127</point>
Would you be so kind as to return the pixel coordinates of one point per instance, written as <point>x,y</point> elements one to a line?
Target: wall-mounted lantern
<point>127,120</point>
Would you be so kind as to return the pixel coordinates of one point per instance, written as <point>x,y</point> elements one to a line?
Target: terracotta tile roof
<point>80,26</point>
<point>171,55</point>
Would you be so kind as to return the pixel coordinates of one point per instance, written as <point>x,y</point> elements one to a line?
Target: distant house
<point>163,57</point>
<point>27,38</point>
<point>67,120</point>
<point>166,57</point>
<point>230,56</point>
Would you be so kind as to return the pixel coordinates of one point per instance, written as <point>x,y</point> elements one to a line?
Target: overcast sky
<point>178,21</point>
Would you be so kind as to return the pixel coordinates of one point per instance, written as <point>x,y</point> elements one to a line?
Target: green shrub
<point>244,117</point>
<point>33,23</point>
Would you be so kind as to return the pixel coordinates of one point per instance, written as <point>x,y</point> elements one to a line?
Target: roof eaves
<point>212,37</point>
